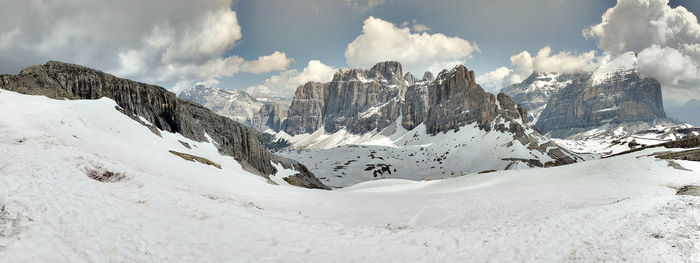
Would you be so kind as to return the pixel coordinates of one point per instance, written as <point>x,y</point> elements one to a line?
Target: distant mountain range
<point>395,116</point>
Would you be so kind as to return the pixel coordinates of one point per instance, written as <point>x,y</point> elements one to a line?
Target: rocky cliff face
<point>613,94</point>
<point>534,92</point>
<point>235,104</point>
<point>270,116</point>
<point>159,107</point>
<point>357,100</point>
<point>454,99</point>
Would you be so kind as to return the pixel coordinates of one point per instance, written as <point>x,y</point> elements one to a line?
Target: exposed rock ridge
<point>158,106</point>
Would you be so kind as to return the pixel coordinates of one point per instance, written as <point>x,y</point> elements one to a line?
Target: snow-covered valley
<point>147,205</point>
<point>342,159</point>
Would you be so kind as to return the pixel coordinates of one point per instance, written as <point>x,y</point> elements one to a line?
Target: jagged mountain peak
<point>389,71</point>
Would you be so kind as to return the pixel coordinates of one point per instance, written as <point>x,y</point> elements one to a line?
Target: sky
<point>272,47</point>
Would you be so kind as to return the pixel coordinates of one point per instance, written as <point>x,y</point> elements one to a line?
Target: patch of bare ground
<point>195,158</point>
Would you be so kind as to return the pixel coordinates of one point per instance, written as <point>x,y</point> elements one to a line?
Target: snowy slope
<point>611,139</point>
<point>621,65</point>
<point>167,209</point>
<point>342,159</point>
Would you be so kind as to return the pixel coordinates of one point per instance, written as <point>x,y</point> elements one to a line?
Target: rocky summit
<point>357,100</point>
<point>361,101</point>
<point>160,108</point>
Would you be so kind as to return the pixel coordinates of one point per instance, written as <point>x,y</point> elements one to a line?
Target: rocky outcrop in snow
<point>157,106</point>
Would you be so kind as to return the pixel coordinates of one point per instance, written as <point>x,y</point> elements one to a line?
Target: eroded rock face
<point>357,100</point>
<point>456,99</point>
<point>270,116</point>
<point>305,115</point>
<point>582,105</point>
<point>157,105</point>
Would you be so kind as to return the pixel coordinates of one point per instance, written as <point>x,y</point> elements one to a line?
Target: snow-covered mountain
<point>235,104</point>
<point>344,159</point>
<point>612,101</point>
<point>82,182</point>
<point>533,93</point>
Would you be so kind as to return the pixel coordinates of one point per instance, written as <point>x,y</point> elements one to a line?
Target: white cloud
<point>381,40</point>
<point>524,64</point>
<point>274,62</point>
<point>287,82</point>
<point>634,25</point>
<point>166,42</point>
<point>667,41</point>
<point>563,62</point>
<point>666,64</point>
<point>493,81</point>
<point>417,27</point>
<point>363,5</point>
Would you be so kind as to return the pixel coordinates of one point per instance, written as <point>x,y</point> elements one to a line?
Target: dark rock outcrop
<point>157,105</point>
<point>428,76</point>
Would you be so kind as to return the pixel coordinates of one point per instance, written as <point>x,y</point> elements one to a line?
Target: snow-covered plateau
<point>82,182</point>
